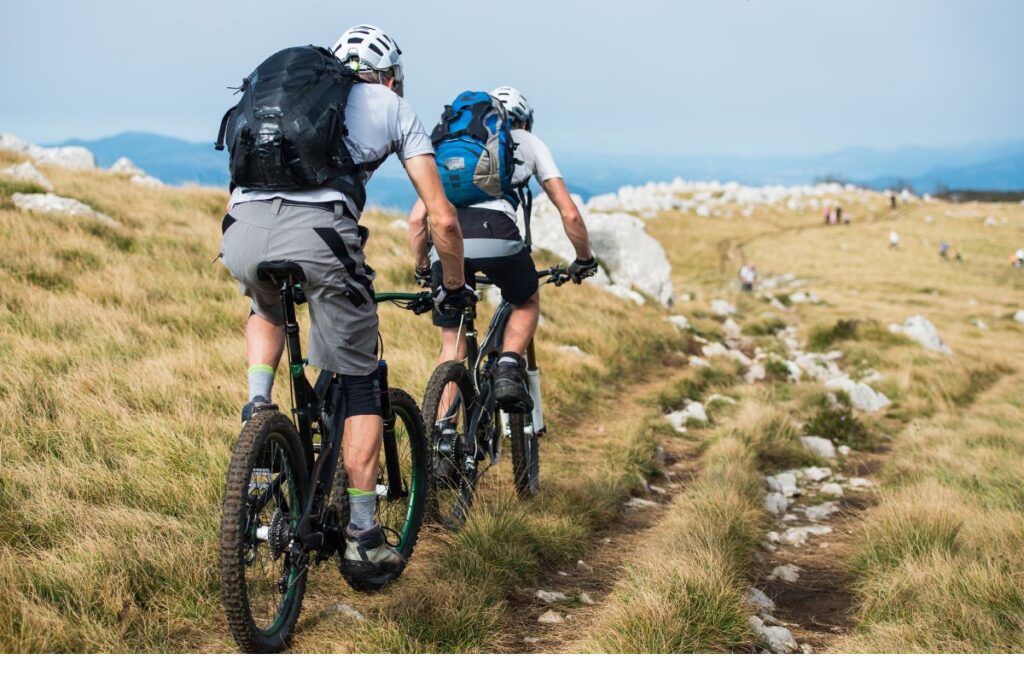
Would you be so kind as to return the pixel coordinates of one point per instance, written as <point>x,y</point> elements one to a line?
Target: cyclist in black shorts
<point>494,246</point>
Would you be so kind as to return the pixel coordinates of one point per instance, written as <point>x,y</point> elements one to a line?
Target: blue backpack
<point>473,149</point>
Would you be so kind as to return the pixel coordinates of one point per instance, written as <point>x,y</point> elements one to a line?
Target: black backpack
<point>287,131</point>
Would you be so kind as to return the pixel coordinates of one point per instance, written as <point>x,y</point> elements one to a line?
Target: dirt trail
<point>604,556</point>
<point>819,606</point>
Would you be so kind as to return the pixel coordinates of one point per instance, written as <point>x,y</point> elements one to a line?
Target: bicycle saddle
<point>279,271</point>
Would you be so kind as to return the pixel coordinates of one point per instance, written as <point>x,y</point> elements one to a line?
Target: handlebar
<point>556,275</point>
<point>417,302</point>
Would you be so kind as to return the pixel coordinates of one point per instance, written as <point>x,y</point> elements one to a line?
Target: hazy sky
<point>721,76</point>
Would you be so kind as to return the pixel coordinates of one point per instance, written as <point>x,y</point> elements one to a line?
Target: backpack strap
<point>219,146</point>
<point>525,195</point>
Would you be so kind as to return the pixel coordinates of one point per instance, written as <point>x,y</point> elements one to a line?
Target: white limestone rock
<point>862,396</point>
<point>551,617</point>
<point>816,474</point>
<point>635,503</point>
<point>51,203</point>
<point>348,612</point>
<point>27,172</point>
<point>757,599</point>
<point>818,513</point>
<point>790,573</point>
<point>11,143</point>
<point>819,446</point>
<point>1019,317</point>
<point>550,596</point>
<point>714,349</point>
<point>722,307</point>
<point>797,536</point>
<point>125,166</point>
<point>634,258</point>
<point>921,330</point>
<point>831,489</point>
<point>755,373</point>
<point>691,412</point>
<point>775,503</point>
<point>784,483</point>
<point>859,483</point>
<point>679,321</point>
<point>779,639</point>
<point>74,158</point>
<point>572,350</point>
<point>146,181</point>
<point>698,362</point>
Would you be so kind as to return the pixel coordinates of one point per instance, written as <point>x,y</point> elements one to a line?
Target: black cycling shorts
<point>362,394</point>
<point>515,276</point>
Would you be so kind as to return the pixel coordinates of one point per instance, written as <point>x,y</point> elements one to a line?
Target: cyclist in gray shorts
<point>318,229</point>
<point>494,246</point>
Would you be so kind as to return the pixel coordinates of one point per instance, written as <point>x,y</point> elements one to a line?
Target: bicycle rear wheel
<point>448,404</point>
<point>525,455</point>
<point>402,495</point>
<point>262,584</point>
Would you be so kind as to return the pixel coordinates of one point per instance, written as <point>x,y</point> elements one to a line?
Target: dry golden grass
<point>124,371</point>
<point>122,378</point>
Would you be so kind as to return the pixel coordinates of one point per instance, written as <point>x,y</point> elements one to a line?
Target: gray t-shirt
<point>380,123</point>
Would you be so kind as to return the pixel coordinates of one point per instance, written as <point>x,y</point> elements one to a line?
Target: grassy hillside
<point>124,372</point>
<point>123,376</point>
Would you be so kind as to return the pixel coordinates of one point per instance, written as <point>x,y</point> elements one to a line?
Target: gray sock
<point>261,381</point>
<point>362,505</point>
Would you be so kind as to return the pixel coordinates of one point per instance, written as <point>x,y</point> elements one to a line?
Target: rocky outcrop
<point>29,174</point>
<point>635,260</point>
<point>75,158</point>
<point>51,203</point>
<point>921,330</point>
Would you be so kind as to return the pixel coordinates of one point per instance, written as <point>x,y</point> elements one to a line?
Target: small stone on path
<point>758,599</point>
<point>639,503</point>
<point>586,599</point>
<point>817,513</point>
<point>789,573</point>
<point>831,489</point>
<point>551,596</point>
<point>348,611</point>
<point>550,617</point>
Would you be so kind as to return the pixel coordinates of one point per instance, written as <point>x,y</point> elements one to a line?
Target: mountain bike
<point>285,502</point>
<point>464,425</point>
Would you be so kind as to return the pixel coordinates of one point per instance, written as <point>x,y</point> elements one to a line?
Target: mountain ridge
<point>992,165</point>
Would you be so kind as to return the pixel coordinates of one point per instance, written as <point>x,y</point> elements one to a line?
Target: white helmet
<point>515,104</point>
<point>367,47</point>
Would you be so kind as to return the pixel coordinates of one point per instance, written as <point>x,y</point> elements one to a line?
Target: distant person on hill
<point>943,249</point>
<point>894,240</point>
<point>957,255</point>
<point>748,276</point>
<point>494,246</point>
<point>839,214</point>
<point>826,214</point>
<point>315,227</point>
<point>892,200</point>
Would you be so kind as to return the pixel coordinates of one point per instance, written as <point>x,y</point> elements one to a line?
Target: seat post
<point>291,326</point>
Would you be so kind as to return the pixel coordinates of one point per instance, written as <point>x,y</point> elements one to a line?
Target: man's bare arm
<point>442,221</point>
<point>418,234</point>
<point>572,221</point>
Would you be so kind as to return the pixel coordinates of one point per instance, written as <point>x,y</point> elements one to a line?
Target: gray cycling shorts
<point>339,285</point>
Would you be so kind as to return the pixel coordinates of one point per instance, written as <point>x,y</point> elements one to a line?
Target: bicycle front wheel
<point>262,583</point>
<point>525,455</point>
<point>448,405</point>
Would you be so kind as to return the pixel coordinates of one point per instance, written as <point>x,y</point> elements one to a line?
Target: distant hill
<point>982,166</point>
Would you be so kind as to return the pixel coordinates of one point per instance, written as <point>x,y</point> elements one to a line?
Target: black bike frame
<point>316,411</point>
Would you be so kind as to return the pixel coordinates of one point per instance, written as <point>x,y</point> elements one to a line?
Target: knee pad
<point>361,394</point>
